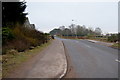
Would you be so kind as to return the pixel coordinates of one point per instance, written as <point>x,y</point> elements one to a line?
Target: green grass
<point>116,45</point>
<point>13,61</point>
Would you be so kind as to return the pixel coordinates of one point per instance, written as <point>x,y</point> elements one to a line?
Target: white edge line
<point>65,70</point>
<point>117,60</point>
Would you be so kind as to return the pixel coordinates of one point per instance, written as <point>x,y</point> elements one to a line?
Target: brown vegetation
<point>24,38</point>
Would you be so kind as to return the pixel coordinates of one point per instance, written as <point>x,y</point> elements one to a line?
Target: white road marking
<point>77,41</point>
<point>88,46</point>
<point>117,60</point>
<point>84,44</point>
<point>93,41</point>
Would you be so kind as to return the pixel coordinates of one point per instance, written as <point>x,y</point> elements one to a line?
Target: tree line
<point>76,30</point>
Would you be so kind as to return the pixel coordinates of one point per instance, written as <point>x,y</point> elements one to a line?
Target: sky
<point>93,13</point>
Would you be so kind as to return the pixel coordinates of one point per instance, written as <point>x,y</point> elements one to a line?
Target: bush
<point>24,38</point>
<point>113,38</point>
<point>7,34</point>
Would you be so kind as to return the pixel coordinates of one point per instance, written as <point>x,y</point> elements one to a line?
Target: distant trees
<point>62,27</point>
<point>79,31</point>
<point>56,32</point>
<point>98,31</point>
<point>66,32</point>
<point>72,29</point>
<point>76,30</point>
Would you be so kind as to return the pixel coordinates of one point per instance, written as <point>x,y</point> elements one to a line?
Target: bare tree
<point>62,28</point>
<point>72,28</point>
<point>98,31</point>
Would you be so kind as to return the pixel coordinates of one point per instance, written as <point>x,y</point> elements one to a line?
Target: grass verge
<point>11,62</point>
<point>116,45</point>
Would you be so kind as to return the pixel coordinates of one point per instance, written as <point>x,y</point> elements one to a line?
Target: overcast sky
<point>49,15</point>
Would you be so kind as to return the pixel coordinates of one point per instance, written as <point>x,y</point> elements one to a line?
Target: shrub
<point>7,34</point>
<point>24,38</point>
<point>113,38</point>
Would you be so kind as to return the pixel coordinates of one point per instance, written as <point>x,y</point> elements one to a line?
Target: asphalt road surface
<point>92,60</point>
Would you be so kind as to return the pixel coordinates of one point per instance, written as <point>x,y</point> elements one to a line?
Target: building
<point>27,24</point>
<point>32,26</point>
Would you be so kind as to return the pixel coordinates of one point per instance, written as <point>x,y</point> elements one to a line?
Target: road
<point>91,60</point>
<point>48,63</point>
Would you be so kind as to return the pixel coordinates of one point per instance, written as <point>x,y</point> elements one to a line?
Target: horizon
<point>55,14</point>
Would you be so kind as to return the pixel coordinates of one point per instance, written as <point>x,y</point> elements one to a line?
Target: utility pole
<point>75,29</point>
<point>76,33</point>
